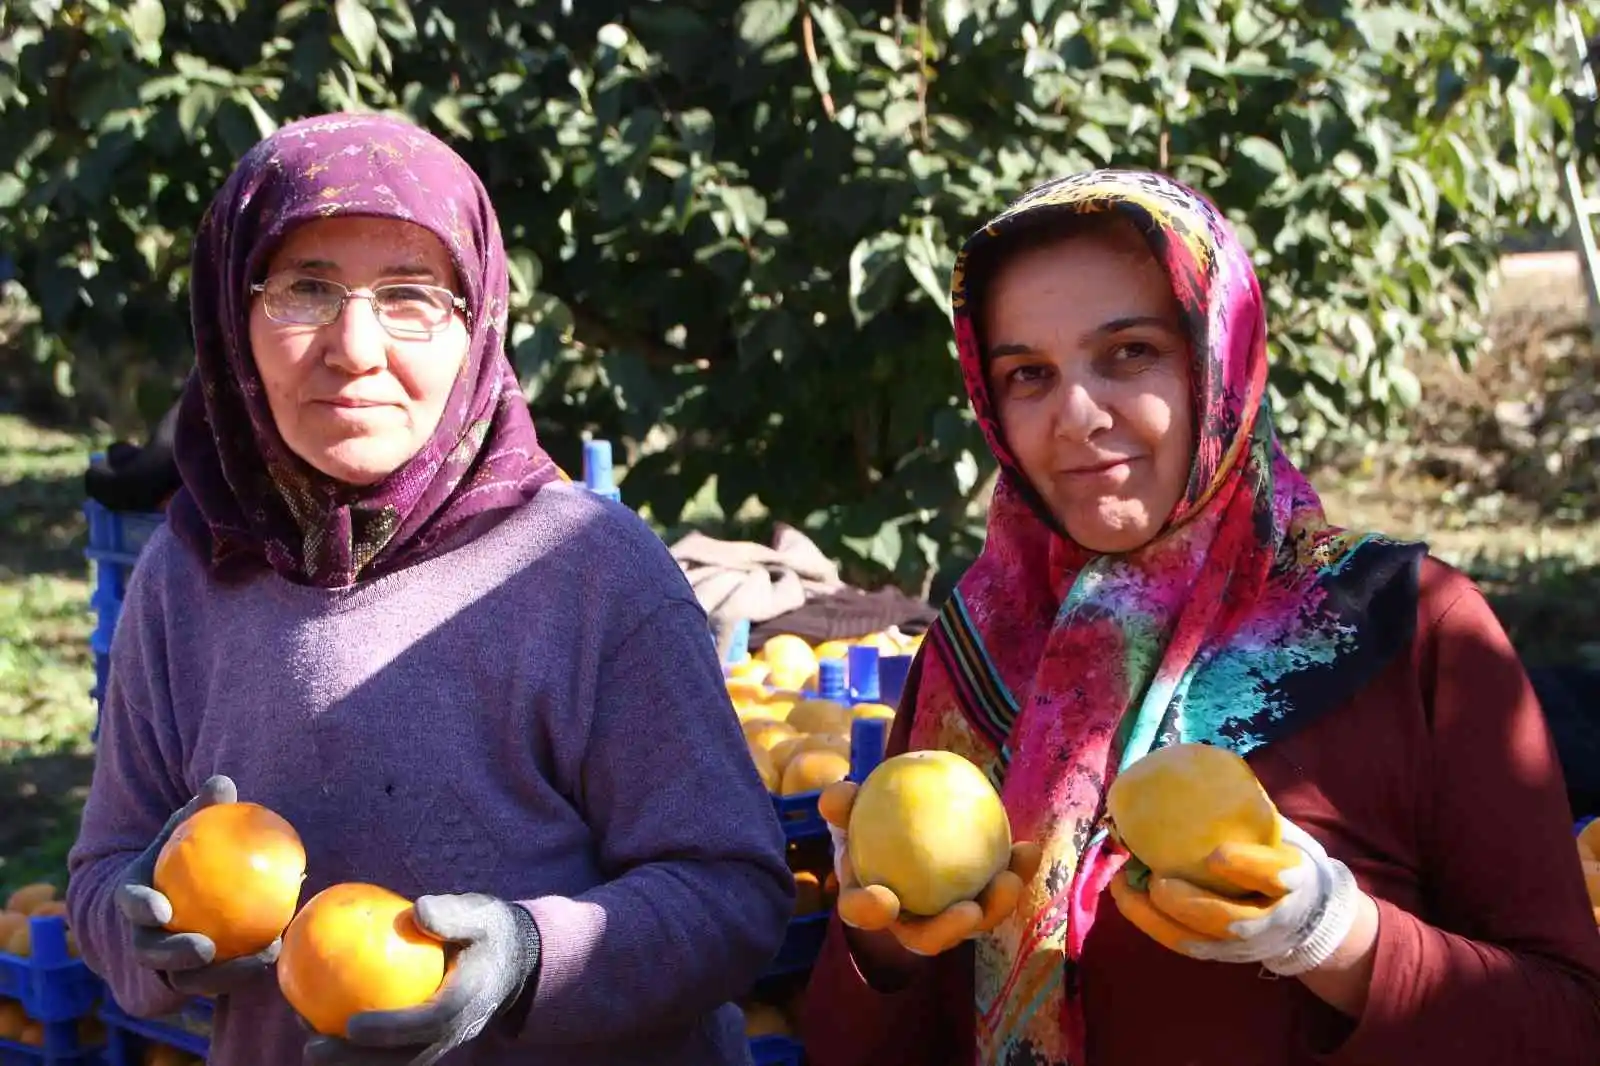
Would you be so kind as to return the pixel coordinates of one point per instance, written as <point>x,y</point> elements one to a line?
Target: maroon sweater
<point>1439,786</point>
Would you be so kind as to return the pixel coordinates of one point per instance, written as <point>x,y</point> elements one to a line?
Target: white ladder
<point>1585,208</point>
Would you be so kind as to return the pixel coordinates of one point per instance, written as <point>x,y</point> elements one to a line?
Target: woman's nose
<point>358,343</point>
<point>1080,413</point>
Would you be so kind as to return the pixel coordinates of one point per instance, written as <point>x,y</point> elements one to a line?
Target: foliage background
<point>732,223</point>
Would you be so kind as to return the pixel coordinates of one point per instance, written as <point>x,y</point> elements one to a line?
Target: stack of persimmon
<point>234,872</point>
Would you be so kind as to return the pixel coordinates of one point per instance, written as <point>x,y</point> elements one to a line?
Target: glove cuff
<point>531,945</point>
<point>1328,925</point>
<point>529,954</point>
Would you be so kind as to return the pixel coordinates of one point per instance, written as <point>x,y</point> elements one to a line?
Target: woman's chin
<point>358,462</point>
<point>1113,531</point>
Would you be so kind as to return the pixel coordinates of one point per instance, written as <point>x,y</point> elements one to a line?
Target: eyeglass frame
<point>457,303</point>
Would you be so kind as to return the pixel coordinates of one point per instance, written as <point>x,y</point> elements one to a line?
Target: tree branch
<point>808,36</point>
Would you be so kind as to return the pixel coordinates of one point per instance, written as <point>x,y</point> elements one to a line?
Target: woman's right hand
<point>875,908</point>
<point>185,960</point>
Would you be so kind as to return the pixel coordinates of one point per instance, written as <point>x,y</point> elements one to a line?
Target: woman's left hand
<point>1300,906</point>
<point>497,952</point>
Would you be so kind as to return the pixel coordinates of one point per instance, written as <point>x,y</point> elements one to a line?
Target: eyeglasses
<point>404,309</point>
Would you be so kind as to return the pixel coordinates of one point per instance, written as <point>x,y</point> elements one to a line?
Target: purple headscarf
<point>247,501</point>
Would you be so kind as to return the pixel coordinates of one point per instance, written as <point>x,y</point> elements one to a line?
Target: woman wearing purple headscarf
<point>381,611</point>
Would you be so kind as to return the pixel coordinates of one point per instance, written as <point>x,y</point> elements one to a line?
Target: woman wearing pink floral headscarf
<point>1157,571</point>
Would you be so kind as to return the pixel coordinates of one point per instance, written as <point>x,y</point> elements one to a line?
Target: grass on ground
<point>46,669</point>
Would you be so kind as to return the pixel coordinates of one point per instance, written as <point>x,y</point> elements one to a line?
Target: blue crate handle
<point>597,475</point>
<point>864,673</point>
<point>892,673</point>
<point>50,983</point>
<point>739,647</point>
<point>831,680</point>
<point>867,739</point>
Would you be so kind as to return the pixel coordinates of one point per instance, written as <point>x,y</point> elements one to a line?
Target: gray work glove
<point>184,960</point>
<point>496,960</point>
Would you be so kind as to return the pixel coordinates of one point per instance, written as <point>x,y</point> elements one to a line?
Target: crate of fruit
<point>177,1039</point>
<point>26,1041</point>
<point>39,967</point>
<point>813,716</point>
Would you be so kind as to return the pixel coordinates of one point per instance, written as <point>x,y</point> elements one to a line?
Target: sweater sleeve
<point>849,1022</point>
<point>1510,972</point>
<point>136,785</point>
<point>699,892</point>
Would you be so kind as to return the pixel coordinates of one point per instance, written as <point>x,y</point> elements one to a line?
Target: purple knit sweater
<point>538,715</point>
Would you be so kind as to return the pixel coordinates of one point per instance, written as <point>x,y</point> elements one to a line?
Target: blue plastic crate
<point>197,1014</point>
<point>798,813</point>
<point>776,1051</point>
<point>126,1036</point>
<point>115,540</point>
<point>802,942</point>
<point>51,985</point>
<point>102,671</point>
<point>119,536</point>
<point>62,1047</point>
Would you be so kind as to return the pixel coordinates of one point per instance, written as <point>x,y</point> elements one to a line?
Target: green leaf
<point>147,21</point>
<point>1264,154</point>
<point>1421,192</point>
<point>358,27</point>
<point>1097,140</point>
<point>447,110</point>
<point>922,260</point>
<point>265,124</point>
<point>1407,387</point>
<point>872,267</point>
<point>525,272</point>
<point>196,109</point>
<point>11,191</point>
<point>883,547</point>
<point>760,22</point>
<point>746,210</point>
<point>954,13</point>
<point>829,20</point>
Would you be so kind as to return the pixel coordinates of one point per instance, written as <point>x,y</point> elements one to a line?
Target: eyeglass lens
<point>318,301</point>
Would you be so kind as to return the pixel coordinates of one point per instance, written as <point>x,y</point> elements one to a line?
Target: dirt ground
<point>1500,469</point>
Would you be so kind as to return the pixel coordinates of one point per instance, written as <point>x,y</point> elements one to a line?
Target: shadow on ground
<point>42,526</point>
<point>1550,607</point>
<point>42,796</point>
